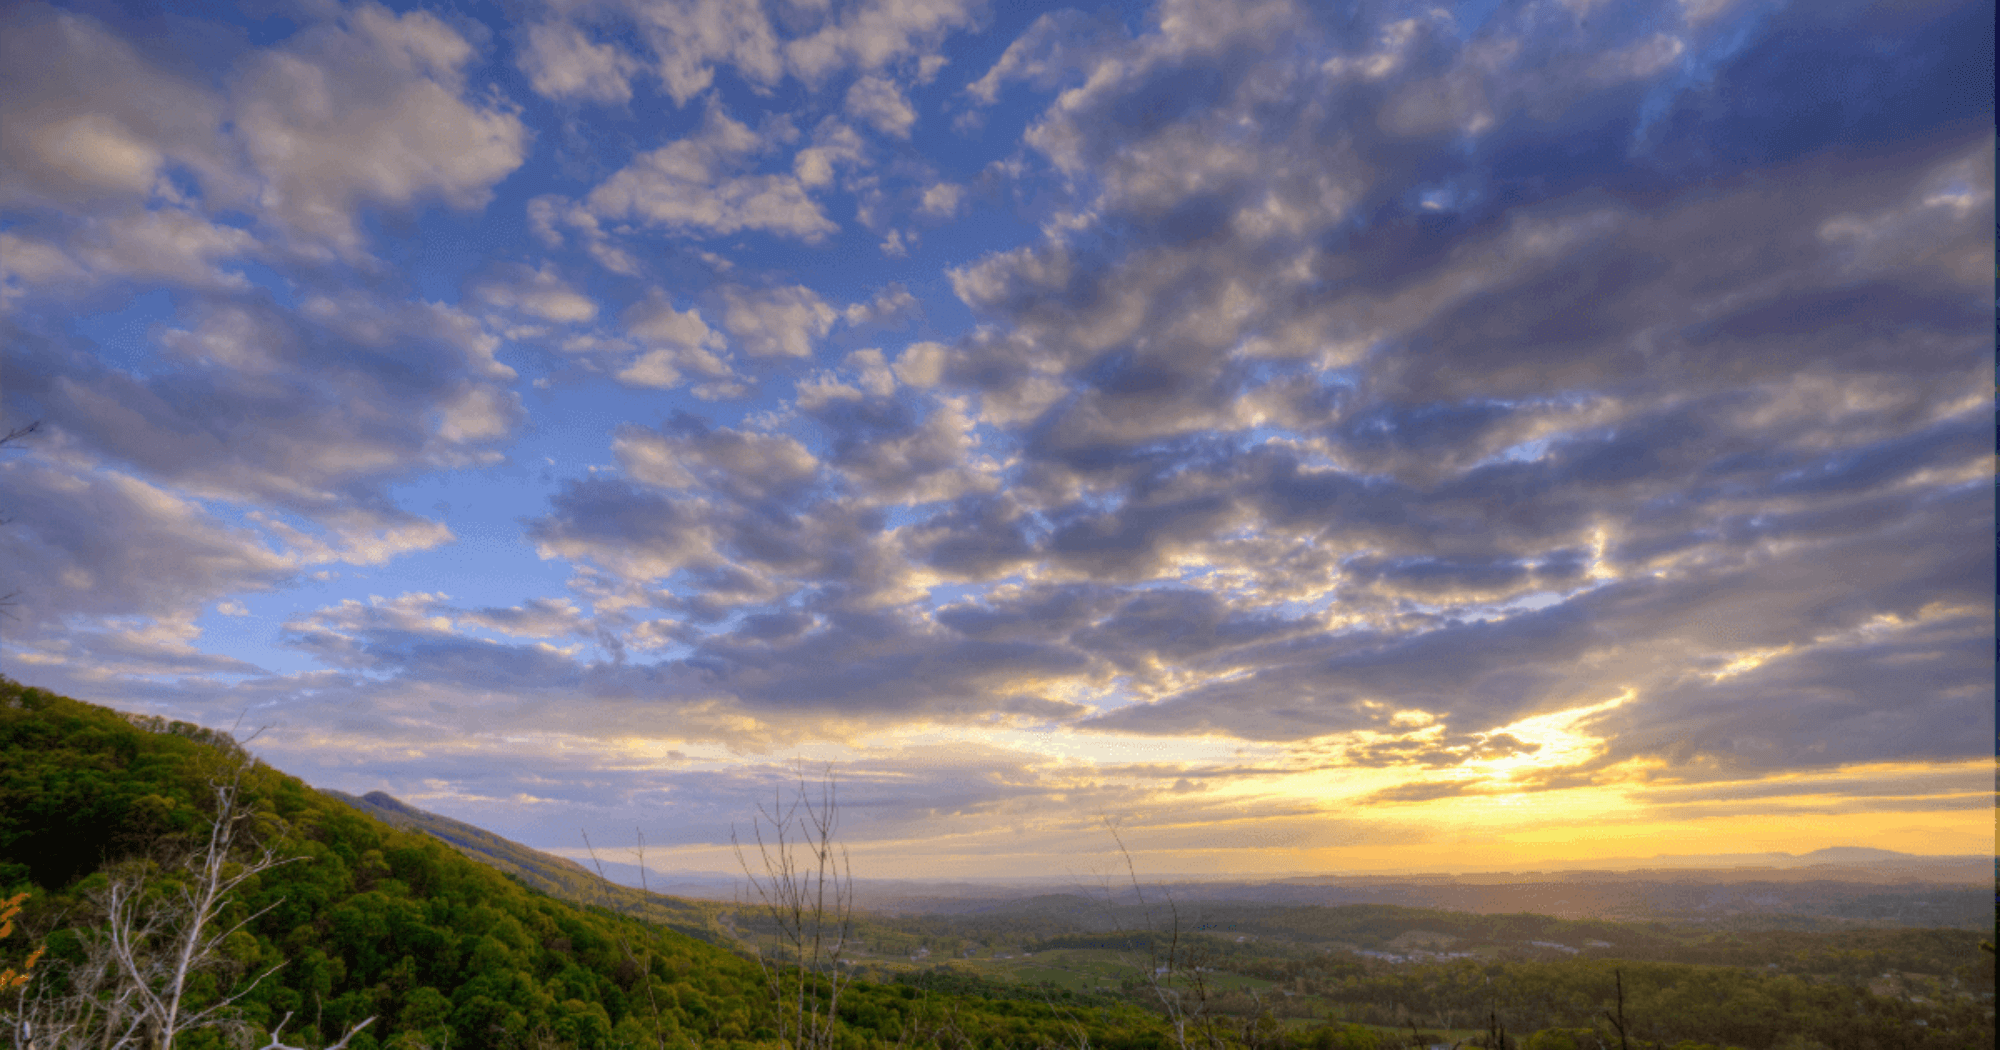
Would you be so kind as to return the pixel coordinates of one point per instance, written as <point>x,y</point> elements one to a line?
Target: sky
<point>1300,437</point>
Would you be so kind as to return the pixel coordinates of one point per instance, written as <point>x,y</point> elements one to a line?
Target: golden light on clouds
<point>1594,461</point>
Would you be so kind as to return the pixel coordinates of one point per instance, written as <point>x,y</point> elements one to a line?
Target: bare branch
<point>160,933</point>
<point>274,1044</point>
<point>806,888</point>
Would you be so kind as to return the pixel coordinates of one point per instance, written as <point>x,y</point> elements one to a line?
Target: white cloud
<point>742,463</point>
<point>170,244</point>
<point>877,102</point>
<point>674,343</point>
<point>369,111</point>
<point>891,307</point>
<point>1639,61</point>
<point>538,293</point>
<point>777,322</point>
<point>835,145</point>
<point>297,416</point>
<point>691,37</point>
<point>1058,44</point>
<point>941,200</point>
<point>698,185</point>
<point>690,40</point>
<point>562,62</point>
<point>922,364</point>
<point>873,33</point>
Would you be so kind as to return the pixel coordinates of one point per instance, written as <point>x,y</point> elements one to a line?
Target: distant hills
<point>1828,888</point>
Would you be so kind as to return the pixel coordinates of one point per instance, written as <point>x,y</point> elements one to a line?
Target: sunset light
<point>1286,439</point>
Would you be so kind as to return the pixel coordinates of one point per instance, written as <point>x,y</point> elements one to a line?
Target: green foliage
<point>391,923</point>
<point>1725,1006</point>
<point>556,876</point>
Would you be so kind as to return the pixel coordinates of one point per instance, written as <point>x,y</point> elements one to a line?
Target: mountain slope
<point>390,923</point>
<point>378,921</point>
<point>556,876</point>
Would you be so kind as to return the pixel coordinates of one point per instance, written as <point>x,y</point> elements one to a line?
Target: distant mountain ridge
<point>1837,884</point>
<point>556,876</point>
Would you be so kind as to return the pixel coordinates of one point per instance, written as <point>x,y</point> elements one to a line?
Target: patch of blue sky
<point>436,249</point>
<point>907,514</point>
<point>575,416</point>
<point>255,635</point>
<point>1441,197</point>
<point>948,593</point>
<point>1522,452</point>
<point>126,337</point>
<point>281,290</point>
<point>1468,17</point>
<point>1531,602</point>
<point>252,24</point>
<point>1737,28</point>
<point>474,570</point>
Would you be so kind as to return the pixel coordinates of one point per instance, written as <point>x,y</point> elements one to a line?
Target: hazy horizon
<point>1305,437</point>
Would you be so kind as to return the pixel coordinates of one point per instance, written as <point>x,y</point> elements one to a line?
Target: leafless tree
<point>803,882</point>
<point>162,928</point>
<point>1618,1020</point>
<point>641,961</point>
<point>1177,967</point>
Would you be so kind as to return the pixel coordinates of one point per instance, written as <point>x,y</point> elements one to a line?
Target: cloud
<point>697,185</point>
<point>108,572</point>
<point>307,413</point>
<point>941,200</point>
<point>369,111</point>
<point>536,618</point>
<point>835,146</point>
<point>1543,403</point>
<point>415,638</point>
<point>539,293</point>
<point>892,307</point>
<point>1057,44</point>
<point>166,245</point>
<point>687,42</point>
<point>88,119</point>
<point>671,344</point>
<point>870,34</point>
<point>877,102</point>
<point>777,322</point>
<point>562,62</point>
<point>691,454</point>
<point>692,37</point>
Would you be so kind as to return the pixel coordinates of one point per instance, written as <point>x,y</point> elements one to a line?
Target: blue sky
<point>1309,436</point>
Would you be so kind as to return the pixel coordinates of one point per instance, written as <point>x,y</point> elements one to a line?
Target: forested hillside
<point>553,875</point>
<point>376,921</point>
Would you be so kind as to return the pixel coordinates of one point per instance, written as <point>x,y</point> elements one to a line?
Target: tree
<point>804,884</point>
<point>161,933</point>
<point>1177,967</point>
